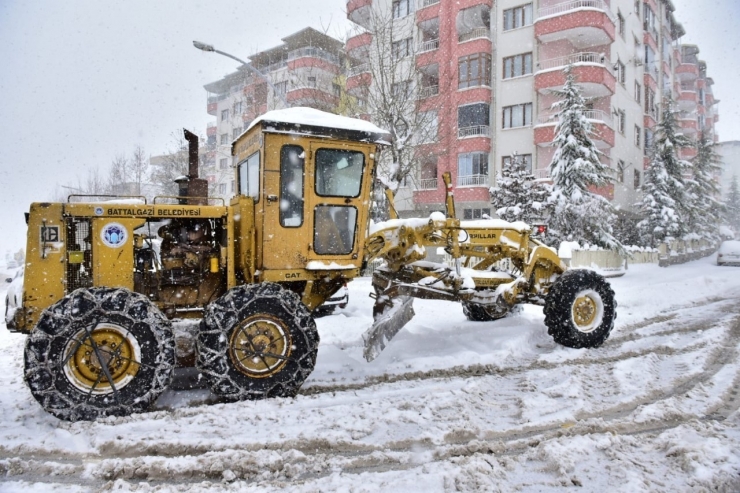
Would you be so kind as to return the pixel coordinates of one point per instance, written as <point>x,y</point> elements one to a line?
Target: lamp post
<point>207,47</point>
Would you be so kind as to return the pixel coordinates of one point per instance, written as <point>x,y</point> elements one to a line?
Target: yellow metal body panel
<point>44,280</point>
<point>114,258</point>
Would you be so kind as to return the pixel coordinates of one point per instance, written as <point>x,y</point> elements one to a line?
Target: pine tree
<point>732,205</point>
<point>702,217</point>
<point>665,203</point>
<point>517,197</point>
<point>578,214</point>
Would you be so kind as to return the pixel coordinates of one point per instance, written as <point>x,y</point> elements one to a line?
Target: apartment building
<point>305,70</point>
<point>488,69</point>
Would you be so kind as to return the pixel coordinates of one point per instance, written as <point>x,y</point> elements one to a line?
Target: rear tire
<point>580,309</point>
<point>257,341</point>
<point>63,355</point>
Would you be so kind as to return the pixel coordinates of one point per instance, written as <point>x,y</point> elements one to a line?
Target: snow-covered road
<point>450,405</point>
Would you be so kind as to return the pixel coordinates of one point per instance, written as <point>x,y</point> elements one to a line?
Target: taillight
<point>541,229</point>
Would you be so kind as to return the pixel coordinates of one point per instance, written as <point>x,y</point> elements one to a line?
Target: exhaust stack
<point>192,190</point>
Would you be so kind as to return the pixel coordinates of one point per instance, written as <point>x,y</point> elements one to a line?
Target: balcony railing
<point>542,173</point>
<point>472,181</point>
<point>585,57</point>
<point>562,8</point>
<point>358,69</point>
<point>273,67</point>
<point>427,3</point>
<point>313,52</point>
<point>591,115</point>
<point>476,131</point>
<point>651,29</point>
<point>429,91</point>
<point>652,69</point>
<point>428,184</point>
<point>478,32</point>
<point>430,45</point>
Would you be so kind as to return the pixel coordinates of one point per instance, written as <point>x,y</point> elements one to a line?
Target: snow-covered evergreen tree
<point>665,203</point>
<point>703,216</point>
<point>732,205</point>
<point>578,213</point>
<point>516,196</point>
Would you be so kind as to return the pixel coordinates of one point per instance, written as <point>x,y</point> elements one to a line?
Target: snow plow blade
<point>387,325</point>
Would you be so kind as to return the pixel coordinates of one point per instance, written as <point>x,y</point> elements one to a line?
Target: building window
<point>475,117</point>
<point>648,140</point>
<point>401,49</point>
<point>428,124</point>
<point>701,97</point>
<point>281,88</point>
<point>638,133</point>
<point>472,169</point>
<point>650,102</point>
<point>223,163</point>
<point>702,122</point>
<point>474,70</point>
<point>402,8</point>
<point>233,186</point>
<point>638,92</point>
<point>519,115</point>
<point>336,89</point>
<point>636,179</point>
<point>637,7</point>
<point>621,76</point>
<point>483,213</point>
<point>518,65</point>
<point>236,132</point>
<point>401,89</point>
<point>621,121</point>
<point>224,115</point>
<point>222,188</point>
<point>620,171</point>
<point>311,80</point>
<point>526,160</point>
<point>237,108</point>
<point>620,24</point>
<point>518,17</point>
<point>224,139</point>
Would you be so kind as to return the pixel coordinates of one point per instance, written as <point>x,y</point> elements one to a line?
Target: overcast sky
<point>83,81</point>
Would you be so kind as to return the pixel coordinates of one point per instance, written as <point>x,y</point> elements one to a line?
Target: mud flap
<point>386,326</point>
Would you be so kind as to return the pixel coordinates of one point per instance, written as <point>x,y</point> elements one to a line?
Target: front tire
<point>580,309</point>
<point>257,341</point>
<point>99,352</point>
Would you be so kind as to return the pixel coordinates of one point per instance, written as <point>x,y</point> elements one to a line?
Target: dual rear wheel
<point>111,352</point>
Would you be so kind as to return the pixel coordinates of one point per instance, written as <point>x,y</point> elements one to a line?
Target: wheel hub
<point>106,346</point>
<point>259,347</point>
<point>587,311</point>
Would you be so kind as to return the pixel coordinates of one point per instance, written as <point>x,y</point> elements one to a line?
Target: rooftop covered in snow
<point>315,122</point>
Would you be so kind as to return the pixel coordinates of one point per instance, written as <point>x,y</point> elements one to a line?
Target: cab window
<point>292,160</point>
<point>249,176</point>
<point>339,172</point>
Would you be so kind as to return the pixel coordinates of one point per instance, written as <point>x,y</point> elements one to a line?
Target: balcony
<point>360,41</point>
<point>427,46</point>
<point>542,174</point>
<point>211,129</point>
<point>689,126</point>
<point>651,69</point>
<point>601,121</point>
<point>358,69</point>
<point>427,184</point>
<point>472,181</point>
<point>428,92</point>
<point>583,23</point>
<point>477,33</point>
<point>476,131</point>
<point>687,72</point>
<point>359,11</point>
<point>688,100</point>
<point>590,69</point>
<point>427,3</point>
<point>312,52</point>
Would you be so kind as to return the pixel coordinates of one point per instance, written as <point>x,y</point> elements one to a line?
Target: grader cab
<point>104,279</point>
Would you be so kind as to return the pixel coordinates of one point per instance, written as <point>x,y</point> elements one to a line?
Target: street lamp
<point>207,47</point>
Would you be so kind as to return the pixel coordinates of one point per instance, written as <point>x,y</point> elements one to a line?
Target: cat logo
<point>293,275</point>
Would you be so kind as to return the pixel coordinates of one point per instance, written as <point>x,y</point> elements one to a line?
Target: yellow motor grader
<point>105,278</point>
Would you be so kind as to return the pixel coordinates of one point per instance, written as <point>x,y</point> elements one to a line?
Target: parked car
<point>729,253</point>
<point>340,299</point>
<point>11,264</point>
<point>13,297</point>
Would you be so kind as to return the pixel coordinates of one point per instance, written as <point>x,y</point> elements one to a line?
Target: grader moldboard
<point>104,279</point>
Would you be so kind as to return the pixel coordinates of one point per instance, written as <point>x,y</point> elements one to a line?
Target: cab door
<point>285,221</point>
<point>339,187</point>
